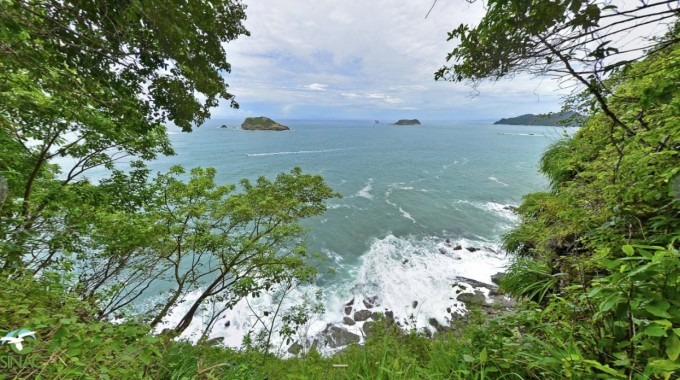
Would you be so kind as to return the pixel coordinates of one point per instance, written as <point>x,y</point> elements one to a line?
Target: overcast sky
<point>358,59</point>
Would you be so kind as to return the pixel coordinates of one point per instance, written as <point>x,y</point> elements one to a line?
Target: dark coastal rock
<point>336,336</point>
<point>437,326</point>
<point>442,251</point>
<point>448,242</point>
<point>414,304</point>
<point>472,299</point>
<point>457,248</point>
<point>295,348</point>
<point>510,208</point>
<point>348,310</point>
<point>362,315</point>
<point>504,301</point>
<point>215,341</point>
<point>408,122</point>
<point>472,249</point>
<point>348,321</point>
<point>404,261</point>
<point>497,278</point>
<point>475,283</point>
<point>350,303</point>
<point>262,124</point>
<point>224,126</point>
<point>371,302</point>
<point>389,314</point>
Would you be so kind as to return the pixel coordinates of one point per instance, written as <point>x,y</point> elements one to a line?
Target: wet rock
<point>375,315</point>
<point>215,341</point>
<point>404,261</point>
<point>348,321</point>
<point>470,299</point>
<point>348,310</point>
<point>475,283</point>
<point>472,249</point>
<point>414,304</point>
<point>389,314</point>
<point>336,336</point>
<point>510,208</point>
<point>227,323</point>
<point>295,348</point>
<point>442,251</point>
<point>497,278</point>
<point>458,247</point>
<point>448,242</point>
<point>437,326</point>
<point>448,310</point>
<point>371,302</point>
<point>350,303</point>
<point>503,301</point>
<point>362,315</point>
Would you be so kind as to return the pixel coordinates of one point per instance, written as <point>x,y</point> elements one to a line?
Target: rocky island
<point>262,124</point>
<point>408,122</point>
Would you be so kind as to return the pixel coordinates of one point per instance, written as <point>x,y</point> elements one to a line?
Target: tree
<point>585,40</point>
<point>208,244</point>
<point>95,81</point>
<point>90,82</point>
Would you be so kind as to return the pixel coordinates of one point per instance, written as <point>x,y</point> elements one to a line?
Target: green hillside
<point>559,119</point>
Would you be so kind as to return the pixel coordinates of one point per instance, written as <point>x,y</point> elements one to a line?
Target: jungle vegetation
<point>597,260</point>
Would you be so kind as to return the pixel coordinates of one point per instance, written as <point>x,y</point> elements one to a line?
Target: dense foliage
<point>88,87</point>
<point>597,255</point>
<point>598,265</point>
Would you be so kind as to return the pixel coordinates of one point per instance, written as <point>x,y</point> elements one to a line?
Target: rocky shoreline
<point>359,316</point>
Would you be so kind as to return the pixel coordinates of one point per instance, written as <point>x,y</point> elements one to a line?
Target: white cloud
<point>372,56</point>
<point>316,87</point>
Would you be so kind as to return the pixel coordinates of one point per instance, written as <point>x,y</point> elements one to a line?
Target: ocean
<point>406,190</point>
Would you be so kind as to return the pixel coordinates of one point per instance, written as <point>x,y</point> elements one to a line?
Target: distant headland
<point>557,119</point>
<point>262,123</point>
<point>408,122</point>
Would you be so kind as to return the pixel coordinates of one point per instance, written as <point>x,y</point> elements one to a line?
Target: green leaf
<point>468,358</point>
<point>628,250</point>
<point>606,369</point>
<point>659,308</point>
<point>483,355</point>
<point>673,347</point>
<point>666,366</point>
<point>656,331</point>
<point>610,302</point>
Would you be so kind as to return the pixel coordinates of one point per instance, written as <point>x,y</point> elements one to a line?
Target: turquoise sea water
<point>406,189</point>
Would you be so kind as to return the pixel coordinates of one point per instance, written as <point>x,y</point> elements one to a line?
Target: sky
<point>359,59</point>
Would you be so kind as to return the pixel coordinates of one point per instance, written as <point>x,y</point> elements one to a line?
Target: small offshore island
<point>262,123</point>
<point>557,119</point>
<point>408,122</point>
